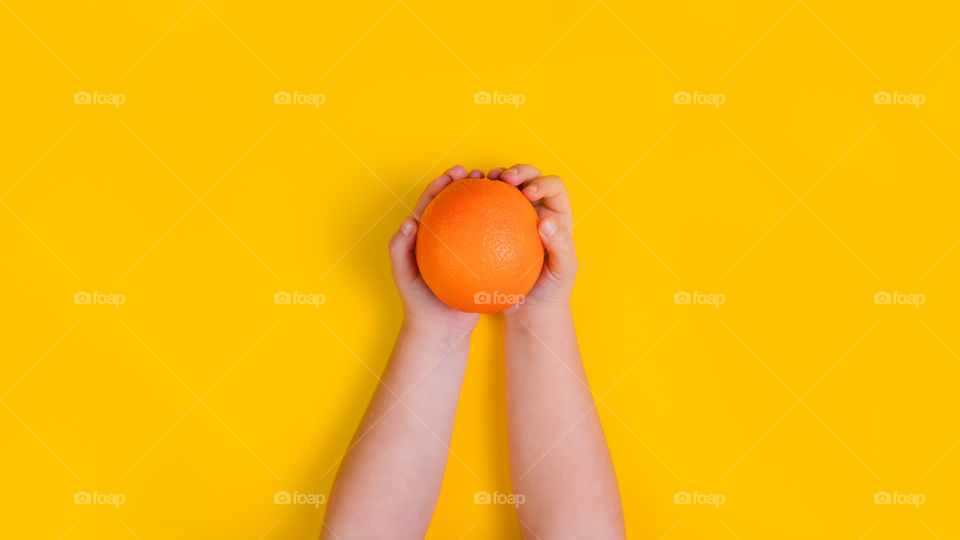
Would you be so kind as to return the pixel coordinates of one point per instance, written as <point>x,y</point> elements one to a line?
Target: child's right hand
<point>420,307</point>
<point>549,197</point>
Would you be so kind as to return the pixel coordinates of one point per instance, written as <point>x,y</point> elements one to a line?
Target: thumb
<point>403,261</point>
<point>562,259</point>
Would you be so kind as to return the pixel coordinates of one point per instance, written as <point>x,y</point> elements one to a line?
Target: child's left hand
<point>420,306</point>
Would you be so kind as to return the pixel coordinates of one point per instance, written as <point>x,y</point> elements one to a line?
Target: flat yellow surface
<point>782,189</point>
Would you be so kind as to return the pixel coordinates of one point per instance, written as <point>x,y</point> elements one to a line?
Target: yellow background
<point>199,198</point>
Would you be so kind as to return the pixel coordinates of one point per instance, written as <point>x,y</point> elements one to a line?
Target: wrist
<point>530,315</point>
<point>429,345</point>
<point>440,330</point>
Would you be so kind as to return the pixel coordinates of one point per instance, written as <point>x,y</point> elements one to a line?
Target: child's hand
<point>420,306</point>
<point>549,197</point>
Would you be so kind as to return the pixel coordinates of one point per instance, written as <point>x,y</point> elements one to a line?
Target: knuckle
<point>395,246</point>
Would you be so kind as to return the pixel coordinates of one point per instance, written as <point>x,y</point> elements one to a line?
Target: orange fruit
<point>478,248</point>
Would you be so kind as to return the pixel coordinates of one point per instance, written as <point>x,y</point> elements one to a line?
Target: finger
<point>429,193</point>
<point>403,263</point>
<point>494,174</point>
<point>552,193</point>
<point>558,240</point>
<point>519,174</point>
<point>476,173</point>
<point>457,172</point>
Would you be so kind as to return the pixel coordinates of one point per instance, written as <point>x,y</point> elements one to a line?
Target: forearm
<point>559,458</point>
<point>390,478</point>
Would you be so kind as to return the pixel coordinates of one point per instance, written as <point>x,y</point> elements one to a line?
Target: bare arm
<point>559,458</point>
<point>389,481</point>
<point>388,484</point>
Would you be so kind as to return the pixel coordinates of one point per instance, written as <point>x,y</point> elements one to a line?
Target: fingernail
<point>531,189</point>
<point>407,227</point>
<point>549,227</point>
<point>514,171</point>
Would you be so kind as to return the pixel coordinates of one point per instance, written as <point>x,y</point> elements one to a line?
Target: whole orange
<point>478,248</point>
